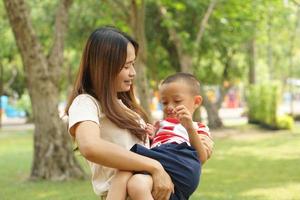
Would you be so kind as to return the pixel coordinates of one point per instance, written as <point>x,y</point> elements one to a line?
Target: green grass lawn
<point>248,163</point>
<point>253,164</point>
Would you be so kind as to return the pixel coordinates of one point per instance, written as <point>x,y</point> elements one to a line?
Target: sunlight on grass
<point>46,194</point>
<point>284,192</point>
<point>275,147</point>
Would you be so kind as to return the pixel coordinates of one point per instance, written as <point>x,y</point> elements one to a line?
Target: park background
<point>245,53</point>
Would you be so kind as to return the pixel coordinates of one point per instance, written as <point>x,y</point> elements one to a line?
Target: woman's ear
<point>197,101</point>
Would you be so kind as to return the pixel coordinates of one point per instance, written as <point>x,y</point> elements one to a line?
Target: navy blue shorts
<point>180,161</point>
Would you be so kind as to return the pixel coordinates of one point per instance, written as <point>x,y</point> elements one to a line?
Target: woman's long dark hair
<point>103,58</point>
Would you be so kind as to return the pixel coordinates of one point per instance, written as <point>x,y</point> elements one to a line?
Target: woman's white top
<point>86,108</point>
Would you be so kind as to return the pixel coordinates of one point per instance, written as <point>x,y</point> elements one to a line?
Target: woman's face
<point>124,79</point>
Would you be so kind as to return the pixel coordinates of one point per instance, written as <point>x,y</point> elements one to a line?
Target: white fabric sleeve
<point>83,108</point>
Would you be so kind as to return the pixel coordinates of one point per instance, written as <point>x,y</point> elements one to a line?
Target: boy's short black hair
<point>189,79</point>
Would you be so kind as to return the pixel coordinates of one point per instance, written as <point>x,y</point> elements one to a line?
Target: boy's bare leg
<point>139,187</point>
<point>118,187</point>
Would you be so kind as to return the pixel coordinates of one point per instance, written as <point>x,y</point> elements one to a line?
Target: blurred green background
<point>245,53</point>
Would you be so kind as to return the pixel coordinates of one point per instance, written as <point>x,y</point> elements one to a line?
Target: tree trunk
<point>213,118</point>
<point>291,62</point>
<point>53,157</point>
<point>204,22</point>
<point>270,44</point>
<point>252,57</point>
<point>214,121</point>
<point>137,22</point>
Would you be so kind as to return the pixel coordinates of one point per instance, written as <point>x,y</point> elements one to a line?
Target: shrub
<point>285,122</point>
<point>263,101</point>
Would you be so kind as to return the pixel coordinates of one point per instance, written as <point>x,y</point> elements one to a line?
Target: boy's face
<point>178,93</point>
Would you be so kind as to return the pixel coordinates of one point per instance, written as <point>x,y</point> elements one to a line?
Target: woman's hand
<point>208,144</point>
<point>162,184</point>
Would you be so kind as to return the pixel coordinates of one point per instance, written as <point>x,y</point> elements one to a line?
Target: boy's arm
<point>208,144</point>
<point>205,137</point>
<point>198,144</point>
<point>185,118</point>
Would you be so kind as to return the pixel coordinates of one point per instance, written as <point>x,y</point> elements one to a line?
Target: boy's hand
<point>184,116</point>
<point>150,130</point>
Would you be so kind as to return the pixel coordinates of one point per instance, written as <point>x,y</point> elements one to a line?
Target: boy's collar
<point>172,120</point>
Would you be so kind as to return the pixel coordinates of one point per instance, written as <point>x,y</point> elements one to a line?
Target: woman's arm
<point>100,151</point>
